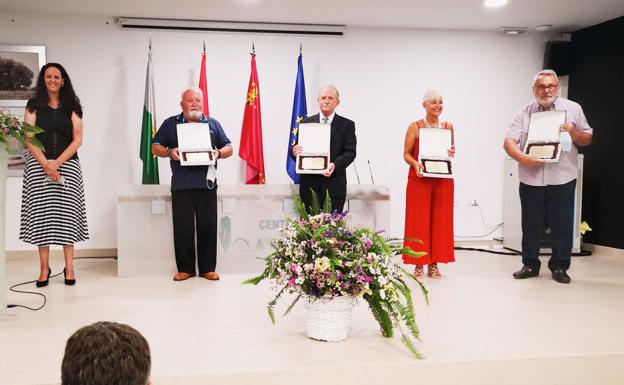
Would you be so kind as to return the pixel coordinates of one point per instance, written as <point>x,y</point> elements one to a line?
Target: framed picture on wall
<point>21,63</point>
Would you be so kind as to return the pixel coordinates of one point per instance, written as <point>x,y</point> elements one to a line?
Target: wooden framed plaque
<point>194,144</point>
<point>314,139</point>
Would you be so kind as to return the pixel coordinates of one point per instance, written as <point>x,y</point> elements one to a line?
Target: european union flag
<point>298,113</point>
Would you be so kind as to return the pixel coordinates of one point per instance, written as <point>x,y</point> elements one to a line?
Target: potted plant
<point>330,264</point>
<point>11,126</point>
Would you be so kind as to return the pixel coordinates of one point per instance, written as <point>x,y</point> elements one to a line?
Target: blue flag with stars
<point>298,113</point>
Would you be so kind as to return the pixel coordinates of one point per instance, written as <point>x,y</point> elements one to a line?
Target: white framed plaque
<point>543,137</point>
<point>433,146</point>
<point>194,144</point>
<point>314,139</point>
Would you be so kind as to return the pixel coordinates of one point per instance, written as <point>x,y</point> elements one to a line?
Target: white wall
<point>381,74</point>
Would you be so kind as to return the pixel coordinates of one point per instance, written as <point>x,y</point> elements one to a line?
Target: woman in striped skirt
<point>53,205</point>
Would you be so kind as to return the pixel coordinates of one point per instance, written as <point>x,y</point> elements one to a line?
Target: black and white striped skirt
<point>53,213</point>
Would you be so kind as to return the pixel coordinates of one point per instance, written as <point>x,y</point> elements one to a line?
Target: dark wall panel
<point>597,83</point>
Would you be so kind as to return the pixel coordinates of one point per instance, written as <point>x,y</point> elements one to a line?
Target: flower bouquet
<point>320,257</point>
<point>11,126</point>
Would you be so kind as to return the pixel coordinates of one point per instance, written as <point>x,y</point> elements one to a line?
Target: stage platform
<point>481,327</point>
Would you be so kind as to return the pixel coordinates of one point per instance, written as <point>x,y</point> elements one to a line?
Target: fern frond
<point>256,280</point>
<point>272,303</point>
<point>409,344</point>
<point>382,317</point>
<point>292,304</point>
<point>271,313</point>
<point>327,204</point>
<point>300,207</point>
<point>316,206</point>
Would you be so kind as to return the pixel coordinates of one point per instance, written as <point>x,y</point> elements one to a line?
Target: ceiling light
<point>543,27</point>
<point>494,3</point>
<point>512,30</point>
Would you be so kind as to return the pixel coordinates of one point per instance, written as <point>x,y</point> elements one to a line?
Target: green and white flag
<point>148,129</point>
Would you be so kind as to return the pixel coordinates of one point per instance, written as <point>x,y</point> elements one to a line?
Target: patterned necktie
<point>325,120</point>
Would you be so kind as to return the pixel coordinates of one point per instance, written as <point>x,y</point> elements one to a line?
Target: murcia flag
<point>251,133</point>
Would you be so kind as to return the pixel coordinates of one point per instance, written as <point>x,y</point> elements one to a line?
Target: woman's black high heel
<point>69,282</point>
<point>45,281</point>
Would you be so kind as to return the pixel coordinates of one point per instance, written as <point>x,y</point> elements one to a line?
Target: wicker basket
<point>329,319</point>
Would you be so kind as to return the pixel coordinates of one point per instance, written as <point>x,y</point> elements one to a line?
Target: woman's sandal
<point>434,272</point>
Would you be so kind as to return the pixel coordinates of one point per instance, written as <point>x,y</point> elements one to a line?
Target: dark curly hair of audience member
<point>68,99</point>
<point>106,353</point>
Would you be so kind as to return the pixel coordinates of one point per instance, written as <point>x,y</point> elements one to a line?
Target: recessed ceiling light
<point>494,3</point>
<point>512,30</point>
<point>543,27</point>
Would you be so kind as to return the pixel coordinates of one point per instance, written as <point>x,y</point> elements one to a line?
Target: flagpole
<point>203,82</point>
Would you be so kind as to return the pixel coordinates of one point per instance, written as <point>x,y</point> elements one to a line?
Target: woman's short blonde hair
<point>431,94</point>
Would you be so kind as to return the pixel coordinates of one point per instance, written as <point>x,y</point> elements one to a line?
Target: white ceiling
<point>564,15</point>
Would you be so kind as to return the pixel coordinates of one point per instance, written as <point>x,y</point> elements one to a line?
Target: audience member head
<point>106,353</point>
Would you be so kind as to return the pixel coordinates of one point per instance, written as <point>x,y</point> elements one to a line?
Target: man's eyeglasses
<point>549,87</point>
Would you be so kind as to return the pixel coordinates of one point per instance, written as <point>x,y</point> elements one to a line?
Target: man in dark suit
<point>341,153</point>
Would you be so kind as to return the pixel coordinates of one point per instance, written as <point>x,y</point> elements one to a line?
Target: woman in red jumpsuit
<point>429,201</point>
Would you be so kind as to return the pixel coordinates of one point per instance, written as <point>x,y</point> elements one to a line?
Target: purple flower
<point>315,291</point>
<point>5,130</point>
<point>328,234</point>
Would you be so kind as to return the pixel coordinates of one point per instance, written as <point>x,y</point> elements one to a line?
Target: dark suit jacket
<point>342,147</point>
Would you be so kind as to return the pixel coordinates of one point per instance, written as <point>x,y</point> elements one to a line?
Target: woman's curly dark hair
<point>69,102</point>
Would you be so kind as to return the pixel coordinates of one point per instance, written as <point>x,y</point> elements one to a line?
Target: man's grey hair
<point>431,94</point>
<point>546,73</point>
<point>330,87</point>
<point>195,90</point>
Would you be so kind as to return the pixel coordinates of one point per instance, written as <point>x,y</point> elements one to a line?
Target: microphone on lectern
<point>356,173</point>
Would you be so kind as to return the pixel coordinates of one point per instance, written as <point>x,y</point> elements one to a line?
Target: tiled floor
<point>481,326</point>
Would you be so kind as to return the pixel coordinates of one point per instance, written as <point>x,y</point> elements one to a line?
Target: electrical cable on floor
<point>12,288</point>
<point>486,250</point>
<point>482,235</point>
<point>582,253</point>
<point>113,258</point>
